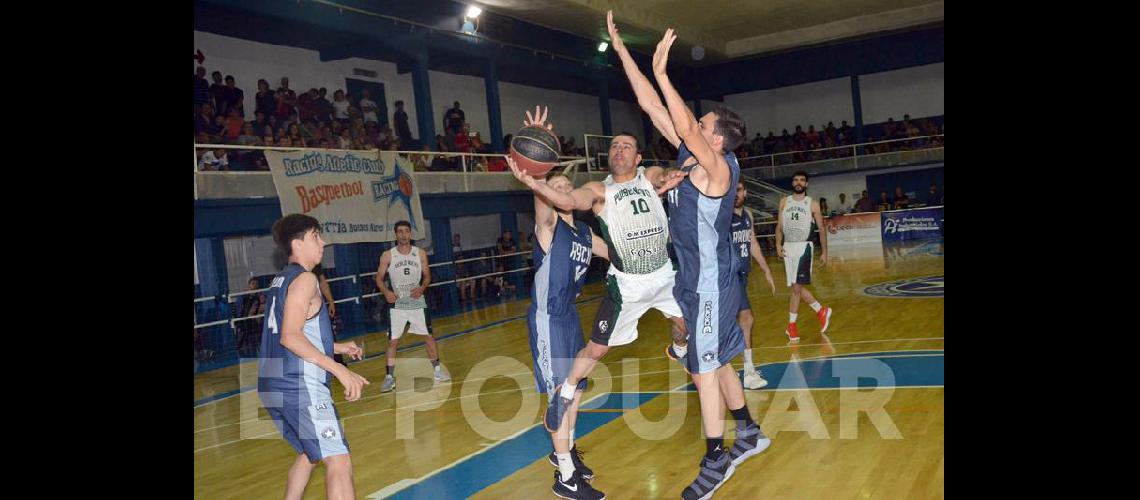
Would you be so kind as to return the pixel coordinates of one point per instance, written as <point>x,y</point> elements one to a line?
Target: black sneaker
<point>712,475</point>
<point>576,488</point>
<point>579,466</point>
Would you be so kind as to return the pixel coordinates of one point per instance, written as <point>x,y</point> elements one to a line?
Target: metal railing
<point>229,298</point>
<point>847,157</point>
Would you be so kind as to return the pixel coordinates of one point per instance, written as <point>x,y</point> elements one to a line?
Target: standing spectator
<point>901,200</point>
<point>843,207</point>
<point>266,99</point>
<point>770,143</point>
<point>201,89</point>
<point>324,107</point>
<point>368,108</point>
<point>506,245</point>
<point>932,196</point>
<point>884,202</point>
<point>454,119</point>
<point>864,204</point>
<point>340,107</point>
<point>400,118</point>
<point>307,105</point>
<point>234,97</point>
<point>823,208</point>
<point>831,131</point>
<point>286,100</point>
<point>846,130</point>
<point>218,93</point>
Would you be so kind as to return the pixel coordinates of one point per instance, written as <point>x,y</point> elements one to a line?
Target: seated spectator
<point>846,130</point>
<point>453,119</point>
<point>214,160</point>
<point>463,140</point>
<point>884,202</point>
<point>770,143</point>
<point>343,140</point>
<point>285,141</point>
<point>205,123</point>
<point>932,196</point>
<point>901,200</point>
<point>823,208</point>
<point>843,207</point>
<point>233,126</point>
<point>248,136</point>
<point>497,164</point>
<point>259,123</point>
<point>295,135</point>
<point>420,162</point>
<point>864,204</point>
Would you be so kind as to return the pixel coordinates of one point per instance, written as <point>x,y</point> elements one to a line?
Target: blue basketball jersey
<point>278,368</point>
<point>742,240</point>
<point>560,274</point>
<point>701,228</point>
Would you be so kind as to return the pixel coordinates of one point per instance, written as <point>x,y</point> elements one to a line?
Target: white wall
<point>625,116</point>
<point>918,91</point>
<point>853,184</point>
<point>813,103</point>
<point>471,93</point>
<point>572,114</point>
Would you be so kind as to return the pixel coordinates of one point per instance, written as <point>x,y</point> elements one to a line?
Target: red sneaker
<point>824,315</point>
<point>792,332</point>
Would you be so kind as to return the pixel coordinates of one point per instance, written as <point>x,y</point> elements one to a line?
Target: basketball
<point>535,150</point>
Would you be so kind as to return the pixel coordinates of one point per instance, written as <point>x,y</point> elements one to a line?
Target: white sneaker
<point>389,384</point>
<point>441,375</point>
<point>753,381</point>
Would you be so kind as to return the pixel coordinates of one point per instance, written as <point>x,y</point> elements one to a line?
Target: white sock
<point>680,350</point>
<point>568,390</point>
<point>791,317</point>
<point>565,465</point>
<point>815,306</point>
<point>571,439</point>
<point>748,361</point>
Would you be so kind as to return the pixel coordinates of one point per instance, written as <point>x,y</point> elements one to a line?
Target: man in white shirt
<point>844,206</point>
<point>368,108</point>
<point>214,160</point>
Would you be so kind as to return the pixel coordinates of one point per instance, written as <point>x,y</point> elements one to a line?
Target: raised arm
<point>647,96</point>
<point>718,176</point>
<point>583,198</point>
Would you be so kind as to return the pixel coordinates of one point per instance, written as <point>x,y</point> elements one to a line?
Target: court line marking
<point>847,356</point>
<point>369,398</point>
<point>679,389</point>
<point>235,392</point>
<point>406,483</point>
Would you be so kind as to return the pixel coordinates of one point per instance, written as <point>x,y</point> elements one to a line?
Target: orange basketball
<point>535,150</point>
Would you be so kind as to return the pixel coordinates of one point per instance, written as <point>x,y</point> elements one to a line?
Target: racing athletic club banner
<point>357,196</point>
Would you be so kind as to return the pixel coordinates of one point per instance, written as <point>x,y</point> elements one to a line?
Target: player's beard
<point>799,189</point>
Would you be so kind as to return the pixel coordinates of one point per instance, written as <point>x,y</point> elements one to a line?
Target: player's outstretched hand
<point>615,37</point>
<point>661,56</point>
<point>538,119</point>
<point>523,177</point>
